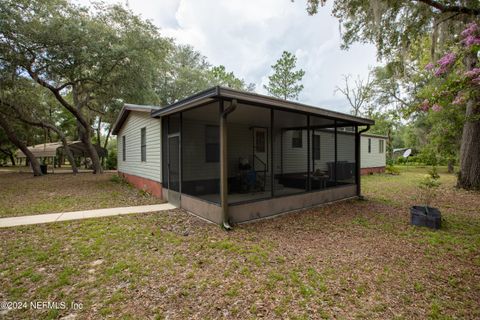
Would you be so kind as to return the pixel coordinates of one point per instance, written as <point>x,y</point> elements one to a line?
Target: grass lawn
<point>353,259</point>
<point>22,194</point>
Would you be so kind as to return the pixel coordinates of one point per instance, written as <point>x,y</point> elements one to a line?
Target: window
<point>212,144</point>
<point>381,146</point>
<point>369,145</point>
<point>297,139</point>
<point>316,147</point>
<point>124,149</point>
<point>143,144</point>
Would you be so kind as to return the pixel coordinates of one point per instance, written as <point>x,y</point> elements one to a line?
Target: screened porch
<point>270,152</point>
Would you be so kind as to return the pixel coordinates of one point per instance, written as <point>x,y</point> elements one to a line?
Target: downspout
<point>224,163</point>
<point>358,159</point>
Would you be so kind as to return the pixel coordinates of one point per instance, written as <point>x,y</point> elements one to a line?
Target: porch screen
<point>322,164</point>
<point>201,152</point>
<point>346,166</point>
<point>290,154</point>
<point>249,154</point>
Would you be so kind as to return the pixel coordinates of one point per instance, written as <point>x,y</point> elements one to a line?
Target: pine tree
<point>285,82</point>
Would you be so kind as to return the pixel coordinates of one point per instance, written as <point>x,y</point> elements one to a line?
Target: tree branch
<point>58,96</point>
<point>449,8</point>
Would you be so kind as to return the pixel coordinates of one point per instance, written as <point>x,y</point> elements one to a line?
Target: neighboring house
<point>373,154</point>
<point>231,156</point>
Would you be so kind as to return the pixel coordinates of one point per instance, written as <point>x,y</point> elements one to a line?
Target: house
<point>230,156</point>
<point>53,152</point>
<point>373,153</point>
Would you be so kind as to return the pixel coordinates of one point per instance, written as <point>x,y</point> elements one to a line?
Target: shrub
<point>116,179</point>
<point>428,187</point>
<point>434,173</point>
<point>111,163</point>
<point>391,169</point>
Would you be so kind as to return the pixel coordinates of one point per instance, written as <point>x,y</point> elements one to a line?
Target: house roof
<point>45,150</point>
<point>126,109</point>
<point>41,150</point>
<point>248,97</point>
<point>373,135</point>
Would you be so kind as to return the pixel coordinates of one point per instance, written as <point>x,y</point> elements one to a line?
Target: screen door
<point>174,170</point>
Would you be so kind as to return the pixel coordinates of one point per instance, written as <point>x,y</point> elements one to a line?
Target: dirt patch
<point>354,259</point>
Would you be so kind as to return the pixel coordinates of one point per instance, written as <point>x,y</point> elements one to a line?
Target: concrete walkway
<point>76,215</point>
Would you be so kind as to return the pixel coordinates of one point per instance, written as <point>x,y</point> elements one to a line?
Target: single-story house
<point>230,156</point>
<point>373,153</point>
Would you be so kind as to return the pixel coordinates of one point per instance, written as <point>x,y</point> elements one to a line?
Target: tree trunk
<point>10,155</point>
<point>107,137</point>
<point>105,143</point>
<point>85,136</point>
<point>12,159</point>
<point>85,131</point>
<point>69,153</point>
<point>389,145</point>
<point>99,131</point>
<point>450,166</point>
<point>469,177</point>
<point>14,139</point>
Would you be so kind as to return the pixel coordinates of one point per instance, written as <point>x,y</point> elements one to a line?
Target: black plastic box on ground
<point>44,168</point>
<point>430,218</point>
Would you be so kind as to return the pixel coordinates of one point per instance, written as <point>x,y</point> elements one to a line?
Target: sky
<point>248,36</point>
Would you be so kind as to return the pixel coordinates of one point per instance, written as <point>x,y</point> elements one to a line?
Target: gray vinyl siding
<point>150,169</point>
<point>375,158</point>
<point>295,159</point>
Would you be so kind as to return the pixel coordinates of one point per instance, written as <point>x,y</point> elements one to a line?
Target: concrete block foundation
<point>147,185</point>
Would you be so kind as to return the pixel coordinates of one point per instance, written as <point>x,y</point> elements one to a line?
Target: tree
<point>7,148</point>
<point>86,57</point>
<point>186,71</point>
<point>13,137</point>
<point>21,99</point>
<point>453,87</point>
<point>358,94</point>
<point>397,28</point>
<point>221,77</point>
<point>285,81</point>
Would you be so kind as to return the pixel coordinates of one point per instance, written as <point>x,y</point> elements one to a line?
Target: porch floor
<point>240,197</point>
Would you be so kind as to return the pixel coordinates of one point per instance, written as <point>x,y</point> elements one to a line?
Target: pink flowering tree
<point>454,87</point>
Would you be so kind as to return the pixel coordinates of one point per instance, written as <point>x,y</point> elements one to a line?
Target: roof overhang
<point>373,135</point>
<point>215,93</point>
<point>126,109</point>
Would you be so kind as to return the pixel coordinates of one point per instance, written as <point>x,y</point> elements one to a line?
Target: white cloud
<point>248,36</point>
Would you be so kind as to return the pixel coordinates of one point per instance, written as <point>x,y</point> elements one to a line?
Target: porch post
<point>272,141</point>
<point>308,153</point>
<point>224,161</point>
<point>357,160</point>
<point>180,176</point>
<point>335,139</point>
<point>358,140</point>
